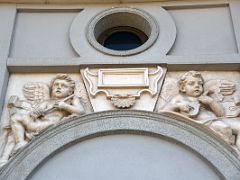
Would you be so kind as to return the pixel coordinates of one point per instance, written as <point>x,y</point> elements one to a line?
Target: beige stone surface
<point>17,81</point>
<point>207,98</point>
<point>45,104</point>
<point>146,96</point>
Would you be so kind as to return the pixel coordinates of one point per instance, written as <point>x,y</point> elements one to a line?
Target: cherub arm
<point>177,105</point>
<point>39,110</point>
<point>217,109</point>
<point>75,108</point>
<point>214,105</point>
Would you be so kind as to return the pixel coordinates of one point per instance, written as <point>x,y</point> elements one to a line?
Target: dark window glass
<point>122,38</point>
<point>122,41</point>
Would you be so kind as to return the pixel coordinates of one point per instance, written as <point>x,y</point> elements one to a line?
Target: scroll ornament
<point>123,86</point>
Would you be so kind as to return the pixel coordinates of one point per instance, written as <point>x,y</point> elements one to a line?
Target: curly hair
<point>182,81</point>
<point>65,77</point>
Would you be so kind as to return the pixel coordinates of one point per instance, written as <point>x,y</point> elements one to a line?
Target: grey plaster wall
<point>43,34</point>
<point>203,30</point>
<point>206,30</point>
<point>7,17</point>
<point>126,156</point>
<point>37,40</point>
<point>206,33</point>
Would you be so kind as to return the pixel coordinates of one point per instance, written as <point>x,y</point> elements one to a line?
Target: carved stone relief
<point>205,98</point>
<point>33,105</point>
<point>44,105</point>
<point>122,88</point>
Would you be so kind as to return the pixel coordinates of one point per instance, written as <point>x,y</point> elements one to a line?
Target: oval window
<point>122,31</point>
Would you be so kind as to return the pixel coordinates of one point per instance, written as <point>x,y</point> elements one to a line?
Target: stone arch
<point>198,138</point>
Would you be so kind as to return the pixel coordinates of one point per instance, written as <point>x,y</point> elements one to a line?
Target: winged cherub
<point>198,105</point>
<point>42,110</point>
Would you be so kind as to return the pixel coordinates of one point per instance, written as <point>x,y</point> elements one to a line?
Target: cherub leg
<point>224,130</point>
<point>23,124</point>
<point>234,123</point>
<point>38,126</point>
<point>8,149</point>
<point>238,141</point>
<point>18,130</point>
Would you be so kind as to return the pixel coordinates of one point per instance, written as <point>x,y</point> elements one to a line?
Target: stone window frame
<point>103,21</point>
<point>165,37</point>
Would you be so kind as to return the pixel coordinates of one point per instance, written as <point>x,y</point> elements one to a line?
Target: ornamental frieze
<point>34,103</point>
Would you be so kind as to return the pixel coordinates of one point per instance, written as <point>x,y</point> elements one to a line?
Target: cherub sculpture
<point>195,104</point>
<point>43,108</point>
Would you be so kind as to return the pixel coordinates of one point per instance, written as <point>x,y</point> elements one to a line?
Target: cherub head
<point>62,86</point>
<point>191,84</point>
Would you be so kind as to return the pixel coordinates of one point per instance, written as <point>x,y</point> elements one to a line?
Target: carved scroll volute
<point>123,86</point>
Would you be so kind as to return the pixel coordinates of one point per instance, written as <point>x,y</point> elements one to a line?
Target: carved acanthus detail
<point>121,101</point>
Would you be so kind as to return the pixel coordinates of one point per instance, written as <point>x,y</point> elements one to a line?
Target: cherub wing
<point>81,92</point>
<point>226,93</point>
<point>36,92</point>
<point>219,88</point>
<point>169,90</point>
